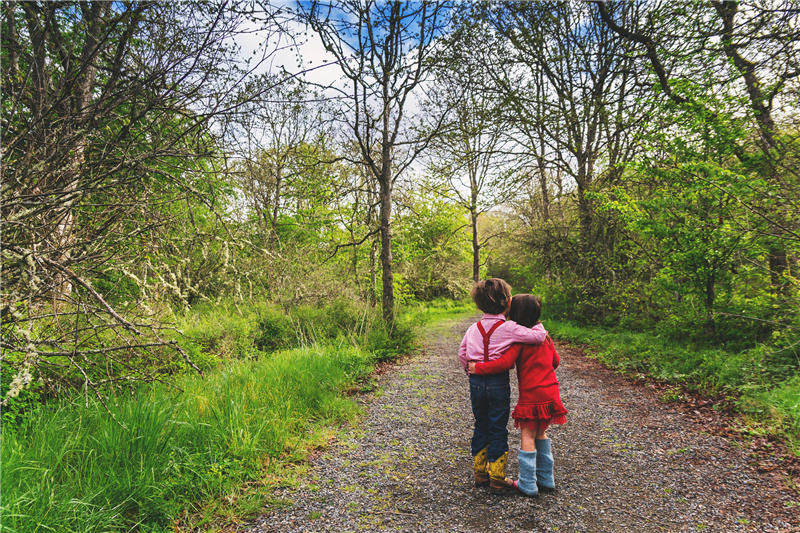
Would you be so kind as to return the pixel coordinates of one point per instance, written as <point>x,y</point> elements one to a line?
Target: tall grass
<point>225,331</point>
<point>161,454</point>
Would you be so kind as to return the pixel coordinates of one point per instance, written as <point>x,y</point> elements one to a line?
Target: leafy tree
<point>747,55</point>
<point>277,140</point>
<point>470,154</point>
<point>430,247</point>
<point>571,95</point>
<point>383,50</point>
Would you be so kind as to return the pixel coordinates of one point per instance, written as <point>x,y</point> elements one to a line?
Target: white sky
<point>309,54</point>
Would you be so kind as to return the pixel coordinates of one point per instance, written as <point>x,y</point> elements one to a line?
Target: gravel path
<point>625,462</point>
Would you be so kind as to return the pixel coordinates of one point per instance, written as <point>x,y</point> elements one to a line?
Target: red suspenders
<point>486,337</point>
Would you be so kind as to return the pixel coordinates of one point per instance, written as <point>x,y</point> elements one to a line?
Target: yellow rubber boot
<point>498,483</point>
<point>482,468</point>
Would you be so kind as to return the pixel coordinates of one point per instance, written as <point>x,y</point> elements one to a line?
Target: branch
<point>352,243</point>
<point>80,281</point>
<point>649,45</point>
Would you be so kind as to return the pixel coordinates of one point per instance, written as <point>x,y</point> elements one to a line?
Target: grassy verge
<point>161,457</point>
<point>211,449</point>
<point>769,399</point>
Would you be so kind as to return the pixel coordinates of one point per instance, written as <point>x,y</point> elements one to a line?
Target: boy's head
<point>525,310</point>
<point>491,296</point>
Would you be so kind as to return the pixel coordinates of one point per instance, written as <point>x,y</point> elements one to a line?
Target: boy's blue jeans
<point>491,404</point>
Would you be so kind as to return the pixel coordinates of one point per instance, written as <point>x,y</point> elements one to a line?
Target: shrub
<point>274,331</point>
<point>387,341</point>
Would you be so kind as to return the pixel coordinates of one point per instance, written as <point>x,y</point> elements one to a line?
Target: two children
<point>489,349</point>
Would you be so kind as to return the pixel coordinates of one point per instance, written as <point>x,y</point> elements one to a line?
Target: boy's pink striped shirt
<point>501,340</point>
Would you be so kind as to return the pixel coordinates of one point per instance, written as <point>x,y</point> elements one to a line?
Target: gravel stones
<point>625,462</point>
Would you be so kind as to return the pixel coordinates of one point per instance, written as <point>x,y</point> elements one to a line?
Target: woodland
<point>176,199</point>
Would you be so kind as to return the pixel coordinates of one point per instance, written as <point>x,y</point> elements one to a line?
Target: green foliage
<point>431,249</point>
<point>25,404</point>
<point>777,408</point>
<point>160,453</point>
<point>274,332</point>
<point>166,453</point>
<point>216,332</point>
<point>213,334</point>
<point>387,341</point>
<point>426,312</point>
<point>340,318</point>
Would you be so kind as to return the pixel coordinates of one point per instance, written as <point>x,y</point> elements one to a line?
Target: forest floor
<point>625,461</point>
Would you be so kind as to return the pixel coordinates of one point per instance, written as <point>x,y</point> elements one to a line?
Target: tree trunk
<point>387,277</point>
<point>543,185</point>
<point>273,234</point>
<point>583,180</point>
<point>476,247</point>
<point>373,273</point>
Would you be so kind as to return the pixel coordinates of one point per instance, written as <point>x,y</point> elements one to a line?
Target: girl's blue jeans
<point>491,404</point>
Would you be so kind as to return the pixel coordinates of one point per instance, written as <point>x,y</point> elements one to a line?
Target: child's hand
<point>472,368</point>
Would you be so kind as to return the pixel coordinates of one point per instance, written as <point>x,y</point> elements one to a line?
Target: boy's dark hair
<point>491,295</point>
<point>525,310</point>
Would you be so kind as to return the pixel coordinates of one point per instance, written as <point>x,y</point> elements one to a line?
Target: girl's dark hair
<point>491,295</point>
<point>525,310</point>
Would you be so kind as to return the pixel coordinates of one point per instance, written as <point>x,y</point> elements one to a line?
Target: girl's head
<point>491,295</point>
<point>525,310</point>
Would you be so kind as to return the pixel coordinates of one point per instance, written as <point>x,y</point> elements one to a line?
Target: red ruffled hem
<point>536,425</point>
<point>553,412</point>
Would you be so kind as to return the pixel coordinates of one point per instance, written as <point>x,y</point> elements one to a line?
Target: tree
<point>107,140</point>
<point>570,93</point>
<point>714,193</point>
<point>357,211</point>
<point>468,154</point>
<point>430,244</point>
<point>277,141</point>
<point>750,55</point>
<point>383,50</point>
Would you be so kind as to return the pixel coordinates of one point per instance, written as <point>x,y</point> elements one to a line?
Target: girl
<point>539,402</point>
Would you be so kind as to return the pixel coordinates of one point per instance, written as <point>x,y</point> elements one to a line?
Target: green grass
<point>209,451</point>
<point>769,399</point>
<point>211,335</point>
<point>211,448</point>
<point>439,310</point>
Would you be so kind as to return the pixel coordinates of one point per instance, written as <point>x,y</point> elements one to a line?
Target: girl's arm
<point>501,364</point>
<point>535,335</point>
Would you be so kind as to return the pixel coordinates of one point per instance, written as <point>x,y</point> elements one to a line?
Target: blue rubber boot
<point>544,466</point>
<point>526,483</point>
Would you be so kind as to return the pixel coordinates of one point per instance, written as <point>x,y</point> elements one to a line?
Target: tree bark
<point>387,277</point>
<point>476,248</point>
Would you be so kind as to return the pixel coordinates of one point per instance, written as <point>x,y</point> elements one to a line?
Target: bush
<point>768,391</point>
<point>387,342</point>
<point>27,402</point>
<point>340,318</point>
<point>274,331</point>
<point>213,333</point>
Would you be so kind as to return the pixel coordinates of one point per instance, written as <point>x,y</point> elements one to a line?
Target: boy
<point>490,394</point>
